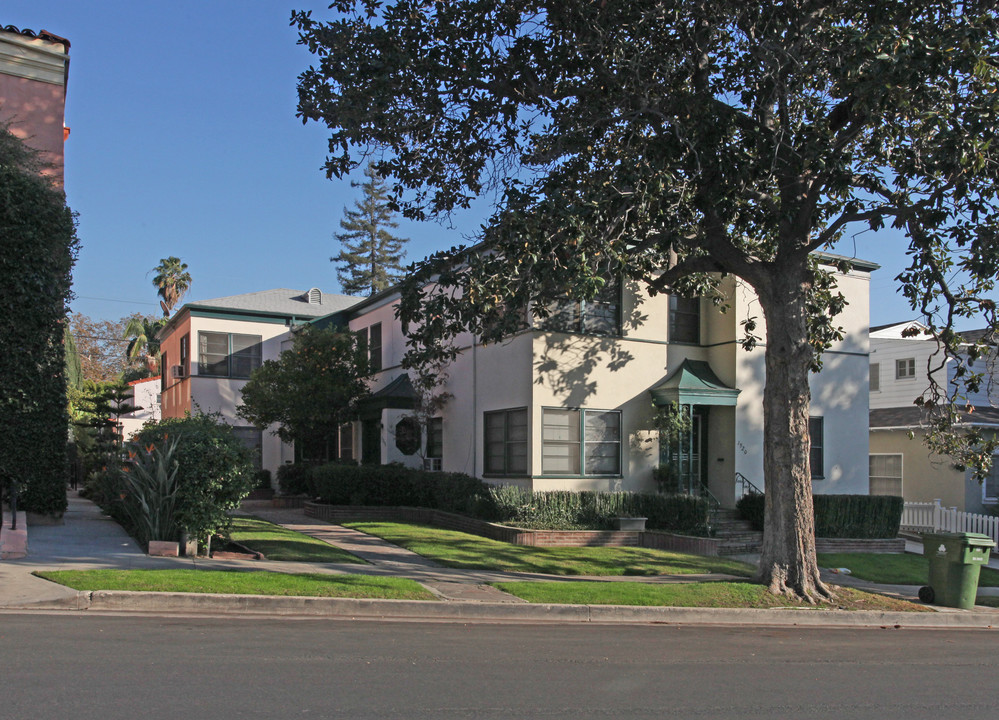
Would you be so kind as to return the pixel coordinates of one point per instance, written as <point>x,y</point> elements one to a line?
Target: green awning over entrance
<point>694,383</point>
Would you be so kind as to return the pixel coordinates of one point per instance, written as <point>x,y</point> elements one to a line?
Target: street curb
<point>353,608</point>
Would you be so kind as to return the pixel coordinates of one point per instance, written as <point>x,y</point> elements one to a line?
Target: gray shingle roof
<point>281,301</point>
<point>913,416</point>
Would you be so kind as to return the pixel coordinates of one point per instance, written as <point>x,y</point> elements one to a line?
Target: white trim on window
<point>885,474</point>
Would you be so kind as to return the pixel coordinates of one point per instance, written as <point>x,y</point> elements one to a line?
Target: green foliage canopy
<point>311,389</point>
<point>214,470</point>
<point>672,142</point>
<point>38,247</point>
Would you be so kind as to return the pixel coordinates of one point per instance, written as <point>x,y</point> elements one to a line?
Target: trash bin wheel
<point>926,594</point>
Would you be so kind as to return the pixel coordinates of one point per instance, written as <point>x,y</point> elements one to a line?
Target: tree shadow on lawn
<point>459,550</point>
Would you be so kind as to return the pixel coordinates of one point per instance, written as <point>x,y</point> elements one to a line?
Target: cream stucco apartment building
<point>573,407</point>
<point>566,406</point>
<point>900,368</point>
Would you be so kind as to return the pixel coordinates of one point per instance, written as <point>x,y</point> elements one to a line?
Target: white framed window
<point>875,381</point>
<point>227,354</point>
<point>599,316</point>
<point>580,442</point>
<point>905,369</point>
<point>990,486</point>
<point>371,339</point>
<point>885,474</point>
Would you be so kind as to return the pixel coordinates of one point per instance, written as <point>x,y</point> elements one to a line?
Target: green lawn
<point>708,594</point>
<point>232,582</point>
<point>278,543</point>
<point>893,569</point>
<point>462,550</point>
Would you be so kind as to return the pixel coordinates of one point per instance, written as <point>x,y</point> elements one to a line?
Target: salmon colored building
<point>34,69</point>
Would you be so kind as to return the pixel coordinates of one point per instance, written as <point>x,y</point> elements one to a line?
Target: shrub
<point>294,479</point>
<point>396,485</point>
<point>150,497</point>
<point>39,240</point>
<point>840,516</point>
<point>215,471</point>
<point>570,510</point>
<point>262,479</point>
<point>857,516</point>
<point>752,508</point>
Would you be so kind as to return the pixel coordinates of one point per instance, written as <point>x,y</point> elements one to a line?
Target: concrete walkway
<point>90,540</point>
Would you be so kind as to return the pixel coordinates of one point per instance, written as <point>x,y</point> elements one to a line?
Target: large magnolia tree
<point>672,142</point>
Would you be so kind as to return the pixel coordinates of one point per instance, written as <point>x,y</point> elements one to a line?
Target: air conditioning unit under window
<point>177,372</point>
<point>432,464</point>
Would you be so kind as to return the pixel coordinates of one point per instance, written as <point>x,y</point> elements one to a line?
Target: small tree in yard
<point>673,142</point>
<point>311,390</point>
<point>214,471</point>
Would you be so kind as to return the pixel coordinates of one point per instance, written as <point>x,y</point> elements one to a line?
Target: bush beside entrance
<point>396,485</point>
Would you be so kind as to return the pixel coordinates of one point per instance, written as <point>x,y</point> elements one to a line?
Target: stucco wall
<point>224,395</point>
<point>33,94</point>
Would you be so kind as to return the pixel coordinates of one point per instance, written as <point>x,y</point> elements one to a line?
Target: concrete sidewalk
<point>89,540</point>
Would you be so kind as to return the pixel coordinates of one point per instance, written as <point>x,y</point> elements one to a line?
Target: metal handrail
<point>748,488</point>
<point>712,500</point>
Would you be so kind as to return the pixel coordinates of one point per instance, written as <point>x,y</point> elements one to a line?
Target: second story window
<point>875,380</point>
<point>684,320</point>
<point>228,354</point>
<point>371,338</point>
<point>905,369</point>
<point>598,316</point>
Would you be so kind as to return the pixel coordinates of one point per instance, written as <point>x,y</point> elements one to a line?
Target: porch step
<point>737,535</point>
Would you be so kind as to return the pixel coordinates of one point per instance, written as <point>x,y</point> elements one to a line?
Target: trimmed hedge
<point>295,479</point>
<point>586,510</point>
<point>396,485</point>
<point>391,485</point>
<point>841,516</point>
<point>38,234</point>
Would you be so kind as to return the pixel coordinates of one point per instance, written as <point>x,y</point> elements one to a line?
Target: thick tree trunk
<point>787,564</point>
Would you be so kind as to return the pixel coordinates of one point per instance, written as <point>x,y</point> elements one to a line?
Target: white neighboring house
<point>901,365</point>
<point>209,348</point>
<point>571,405</point>
<point>144,396</point>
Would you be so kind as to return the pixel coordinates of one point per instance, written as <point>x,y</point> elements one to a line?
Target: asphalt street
<point>90,667</point>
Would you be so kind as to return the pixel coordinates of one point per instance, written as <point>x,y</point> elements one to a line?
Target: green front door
<point>684,456</point>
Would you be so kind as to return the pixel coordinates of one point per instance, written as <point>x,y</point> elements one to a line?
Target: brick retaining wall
<point>515,536</point>
<point>568,538</point>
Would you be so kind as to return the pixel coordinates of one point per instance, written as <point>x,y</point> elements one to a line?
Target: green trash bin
<point>955,560</point>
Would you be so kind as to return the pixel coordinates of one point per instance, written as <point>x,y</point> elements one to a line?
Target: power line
<point>129,302</point>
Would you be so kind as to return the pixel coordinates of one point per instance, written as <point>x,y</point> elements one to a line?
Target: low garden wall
<point>654,539</point>
<point>516,536</point>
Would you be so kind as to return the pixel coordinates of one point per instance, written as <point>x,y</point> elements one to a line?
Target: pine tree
<point>371,258</point>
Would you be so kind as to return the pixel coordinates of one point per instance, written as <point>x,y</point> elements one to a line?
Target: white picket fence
<point>933,517</point>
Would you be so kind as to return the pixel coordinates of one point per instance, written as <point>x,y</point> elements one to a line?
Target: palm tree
<point>142,343</point>
<point>172,281</point>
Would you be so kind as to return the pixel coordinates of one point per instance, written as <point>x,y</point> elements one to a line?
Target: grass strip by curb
<point>705,595</point>
<point>893,568</point>
<point>463,550</point>
<point>280,543</point>
<point>236,582</point>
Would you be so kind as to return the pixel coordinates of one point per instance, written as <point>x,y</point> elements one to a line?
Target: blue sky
<point>185,142</point>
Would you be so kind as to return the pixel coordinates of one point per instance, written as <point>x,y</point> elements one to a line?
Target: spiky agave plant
<point>150,477</point>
